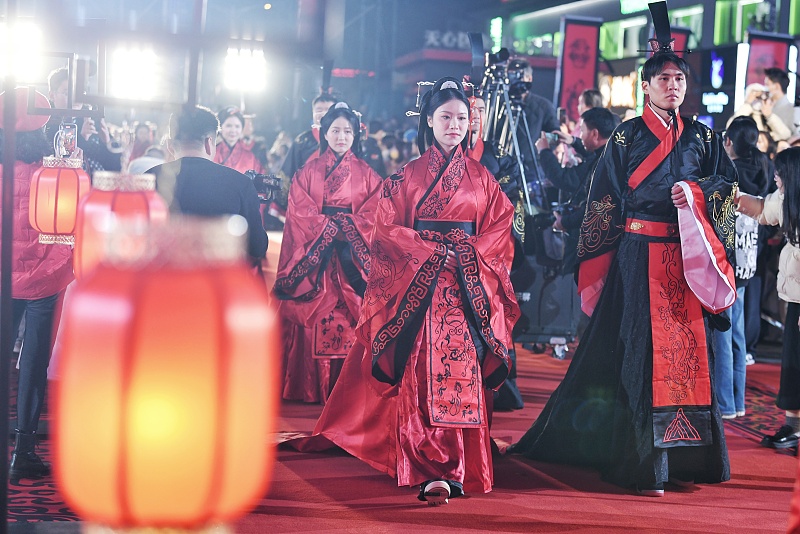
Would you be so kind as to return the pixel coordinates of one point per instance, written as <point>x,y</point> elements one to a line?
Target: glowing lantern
<point>56,189</point>
<point>169,382</point>
<point>117,196</point>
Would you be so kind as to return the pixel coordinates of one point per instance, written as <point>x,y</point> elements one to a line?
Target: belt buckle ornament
<point>636,226</point>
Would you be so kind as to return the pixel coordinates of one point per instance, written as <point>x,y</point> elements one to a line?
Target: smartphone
<point>551,138</point>
<point>562,115</point>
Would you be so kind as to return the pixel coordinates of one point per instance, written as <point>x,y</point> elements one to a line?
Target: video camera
<point>267,185</point>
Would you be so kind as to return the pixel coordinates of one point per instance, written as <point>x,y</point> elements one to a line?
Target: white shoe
<point>436,492</point>
<point>748,359</point>
<point>741,414</point>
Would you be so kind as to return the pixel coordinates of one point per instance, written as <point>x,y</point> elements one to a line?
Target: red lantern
<point>121,196</point>
<point>169,387</point>
<point>56,189</point>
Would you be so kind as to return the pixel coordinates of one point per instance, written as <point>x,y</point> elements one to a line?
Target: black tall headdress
<point>663,41</point>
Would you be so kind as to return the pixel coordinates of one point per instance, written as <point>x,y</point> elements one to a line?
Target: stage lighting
<point>245,70</point>
<point>134,73</point>
<point>26,40</point>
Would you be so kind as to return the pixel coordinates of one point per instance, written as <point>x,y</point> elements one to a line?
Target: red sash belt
<point>651,228</point>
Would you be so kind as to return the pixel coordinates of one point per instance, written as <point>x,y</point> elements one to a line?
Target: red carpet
<point>338,493</point>
<point>335,492</point>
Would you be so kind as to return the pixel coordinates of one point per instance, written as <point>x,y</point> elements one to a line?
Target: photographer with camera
<point>596,126</point>
<point>759,104</point>
<point>94,138</point>
<point>193,184</point>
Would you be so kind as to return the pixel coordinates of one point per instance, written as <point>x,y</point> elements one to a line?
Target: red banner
<point>577,63</point>
<point>766,50</point>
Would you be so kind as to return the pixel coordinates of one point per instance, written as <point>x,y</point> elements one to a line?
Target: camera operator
<point>193,184</point>
<point>596,126</point>
<point>759,105</point>
<point>94,137</point>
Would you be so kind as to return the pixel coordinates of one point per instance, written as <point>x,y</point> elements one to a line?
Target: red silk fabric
<point>668,139</point>
<point>680,355</point>
<point>238,157</point>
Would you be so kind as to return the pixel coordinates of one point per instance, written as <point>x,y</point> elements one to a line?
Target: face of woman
<point>340,136</point>
<point>763,144</point>
<point>449,122</point>
<point>231,130</point>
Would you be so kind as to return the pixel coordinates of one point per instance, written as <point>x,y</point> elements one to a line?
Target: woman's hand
<point>679,197</point>
<point>451,263</point>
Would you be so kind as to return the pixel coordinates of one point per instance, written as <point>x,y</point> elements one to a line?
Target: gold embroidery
<point>505,179</point>
<point>724,214</point>
<point>596,229</point>
<point>619,138</point>
<point>636,226</point>
<point>519,220</point>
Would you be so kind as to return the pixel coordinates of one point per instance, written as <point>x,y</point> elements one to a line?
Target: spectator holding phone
<point>760,106</point>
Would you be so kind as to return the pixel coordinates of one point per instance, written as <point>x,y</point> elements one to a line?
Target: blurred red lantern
<point>56,189</point>
<point>169,386</point>
<point>113,196</point>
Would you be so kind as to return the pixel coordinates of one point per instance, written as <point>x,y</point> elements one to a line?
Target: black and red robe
<point>637,401</point>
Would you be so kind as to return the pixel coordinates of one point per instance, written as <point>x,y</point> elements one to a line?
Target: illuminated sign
<point>632,6</point>
<point>717,72</point>
<point>496,33</point>
<point>715,102</point>
<point>448,39</point>
<point>619,91</point>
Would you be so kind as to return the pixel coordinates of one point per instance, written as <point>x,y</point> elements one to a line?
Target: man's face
<point>319,110</point>
<point>478,117</point>
<point>590,137</point>
<point>772,87</point>
<point>59,96</point>
<point>666,89</point>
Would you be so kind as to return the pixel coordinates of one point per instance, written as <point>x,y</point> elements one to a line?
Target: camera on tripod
<point>267,185</point>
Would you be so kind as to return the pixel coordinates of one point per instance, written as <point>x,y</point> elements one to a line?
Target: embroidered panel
<point>597,229</point>
<point>454,385</point>
<point>412,302</point>
<point>312,260</point>
<point>334,333</point>
<point>358,246</point>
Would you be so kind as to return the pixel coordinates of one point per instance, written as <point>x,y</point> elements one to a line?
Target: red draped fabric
<point>411,399</point>
<point>330,215</point>
<point>238,157</point>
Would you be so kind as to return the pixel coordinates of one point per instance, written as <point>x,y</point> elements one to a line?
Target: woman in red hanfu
<point>435,326</point>
<point>233,151</point>
<point>324,259</point>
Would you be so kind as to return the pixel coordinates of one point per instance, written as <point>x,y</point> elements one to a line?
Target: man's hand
<point>105,137</point>
<point>679,197</point>
<point>565,138</point>
<point>542,143</point>
<point>557,224</point>
<point>88,129</point>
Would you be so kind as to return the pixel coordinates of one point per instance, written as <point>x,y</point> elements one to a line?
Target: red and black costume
<point>637,401</point>
<point>323,268</point>
<point>432,342</point>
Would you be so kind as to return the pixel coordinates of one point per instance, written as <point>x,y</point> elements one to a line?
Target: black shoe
<point>27,465</point>
<point>784,438</point>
